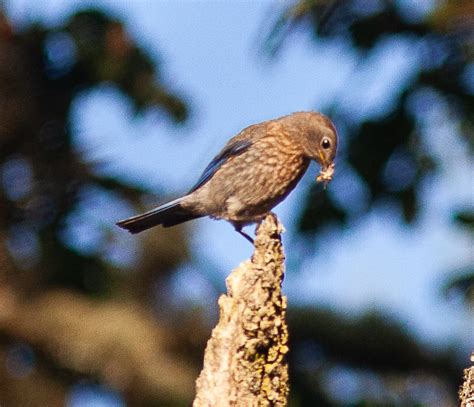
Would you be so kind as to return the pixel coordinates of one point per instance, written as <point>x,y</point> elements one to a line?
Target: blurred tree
<point>51,336</point>
<point>387,156</point>
<point>462,285</point>
<point>45,179</point>
<point>368,360</point>
<point>44,182</point>
<point>388,152</point>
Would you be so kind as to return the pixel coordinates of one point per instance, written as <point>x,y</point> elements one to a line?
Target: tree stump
<point>245,358</point>
<point>466,392</point>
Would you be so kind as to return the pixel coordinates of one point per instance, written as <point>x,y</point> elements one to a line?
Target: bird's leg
<point>239,229</point>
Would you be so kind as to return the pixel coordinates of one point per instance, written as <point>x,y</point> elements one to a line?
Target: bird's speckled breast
<point>249,185</point>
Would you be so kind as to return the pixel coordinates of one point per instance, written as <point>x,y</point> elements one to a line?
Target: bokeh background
<point>108,108</point>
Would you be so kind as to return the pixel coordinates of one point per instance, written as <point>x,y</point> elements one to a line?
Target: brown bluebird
<point>254,172</point>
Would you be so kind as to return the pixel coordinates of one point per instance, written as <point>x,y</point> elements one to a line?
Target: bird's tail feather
<point>169,214</point>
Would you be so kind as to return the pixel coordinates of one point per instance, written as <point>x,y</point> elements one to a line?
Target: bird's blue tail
<point>169,214</point>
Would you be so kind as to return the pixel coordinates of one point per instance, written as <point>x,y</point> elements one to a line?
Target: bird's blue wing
<point>232,150</point>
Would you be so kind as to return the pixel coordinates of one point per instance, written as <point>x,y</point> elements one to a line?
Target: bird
<point>253,173</point>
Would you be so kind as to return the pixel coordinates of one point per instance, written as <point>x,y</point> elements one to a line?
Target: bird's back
<point>248,185</point>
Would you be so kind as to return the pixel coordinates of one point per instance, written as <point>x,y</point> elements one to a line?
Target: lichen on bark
<point>245,358</point>
<point>466,392</point>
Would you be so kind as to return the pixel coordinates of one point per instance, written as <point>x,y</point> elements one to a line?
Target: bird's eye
<point>325,143</point>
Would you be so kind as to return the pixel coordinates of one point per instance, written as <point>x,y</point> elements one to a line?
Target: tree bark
<point>245,358</point>
<point>466,392</point>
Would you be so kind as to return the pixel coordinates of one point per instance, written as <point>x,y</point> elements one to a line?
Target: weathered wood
<point>245,358</point>
<point>466,392</point>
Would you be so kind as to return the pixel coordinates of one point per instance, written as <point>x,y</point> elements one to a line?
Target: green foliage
<point>321,340</point>
<point>387,152</point>
<point>387,156</point>
<point>465,218</point>
<point>47,179</point>
<point>461,286</point>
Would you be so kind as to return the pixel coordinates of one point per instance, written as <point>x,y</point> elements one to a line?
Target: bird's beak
<point>322,161</point>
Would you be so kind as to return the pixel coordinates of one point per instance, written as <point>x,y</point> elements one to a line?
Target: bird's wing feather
<point>232,150</point>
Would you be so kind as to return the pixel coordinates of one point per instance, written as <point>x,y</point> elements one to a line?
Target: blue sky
<point>210,52</point>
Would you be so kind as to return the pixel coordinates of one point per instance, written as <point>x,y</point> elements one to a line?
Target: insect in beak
<point>325,174</point>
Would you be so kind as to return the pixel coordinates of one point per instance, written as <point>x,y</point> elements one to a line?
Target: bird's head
<point>319,141</point>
